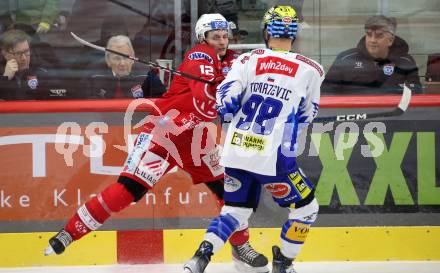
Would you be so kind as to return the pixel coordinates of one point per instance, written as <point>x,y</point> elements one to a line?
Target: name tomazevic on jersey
<point>269,97</point>
<point>270,89</point>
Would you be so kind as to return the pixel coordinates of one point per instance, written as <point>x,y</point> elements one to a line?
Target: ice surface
<point>304,267</point>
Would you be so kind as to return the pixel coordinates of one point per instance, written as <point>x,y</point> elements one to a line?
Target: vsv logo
<point>276,65</point>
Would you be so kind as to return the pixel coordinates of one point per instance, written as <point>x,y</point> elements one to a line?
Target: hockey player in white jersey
<point>268,97</point>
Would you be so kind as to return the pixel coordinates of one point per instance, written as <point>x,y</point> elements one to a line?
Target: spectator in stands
<point>119,78</point>
<point>40,14</point>
<point>379,64</point>
<point>19,80</point>
<point>89,60</point>
<point>22,78</point>
<point>43,52</point>
<point>237,35</point>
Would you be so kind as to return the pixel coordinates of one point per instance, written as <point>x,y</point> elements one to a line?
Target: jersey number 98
<point>261,114</point>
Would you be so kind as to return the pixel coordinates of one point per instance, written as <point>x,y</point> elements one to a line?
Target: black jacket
<point>35,83</point>
<point>138,84</point>
<point>30,84</point>
<point>355,72</point>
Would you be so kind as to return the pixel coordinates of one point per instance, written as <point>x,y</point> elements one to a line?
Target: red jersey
<point>190,96</point>
<point>176,137</point>
<point>226,62</point>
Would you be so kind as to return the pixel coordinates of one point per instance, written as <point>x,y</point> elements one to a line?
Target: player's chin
<point>221,52</point>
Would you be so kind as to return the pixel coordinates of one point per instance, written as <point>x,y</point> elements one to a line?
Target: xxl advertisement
<point>381,172</point>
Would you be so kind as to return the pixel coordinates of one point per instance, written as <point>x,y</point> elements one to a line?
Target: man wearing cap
<point>379,64</point>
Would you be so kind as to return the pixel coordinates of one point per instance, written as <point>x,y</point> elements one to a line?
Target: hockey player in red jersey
<point>173,137</point>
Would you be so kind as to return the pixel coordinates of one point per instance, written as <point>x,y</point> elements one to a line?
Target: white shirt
<point>269,96</point>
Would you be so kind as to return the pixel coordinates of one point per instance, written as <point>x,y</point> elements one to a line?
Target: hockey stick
<point>189,76</point>
<point>399,110</point>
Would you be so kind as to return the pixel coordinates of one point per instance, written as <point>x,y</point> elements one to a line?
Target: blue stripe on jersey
<point>224,89</point>
<point>300,116</point>
<point>228,106</point>
<point>286,159</point>
<point>315,109</point>
<point>223,226</point>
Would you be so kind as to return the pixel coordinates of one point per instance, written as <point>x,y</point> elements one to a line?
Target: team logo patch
<point>278,190</point>
<point>32,82</point>
<point>298,232</point>
<point>200,56</point>
<point>225,71</point>
<point>137,91</point>
<point>388,69</point>
<point>80,227</point>
<point>231,184</point>
<point>276,65</point>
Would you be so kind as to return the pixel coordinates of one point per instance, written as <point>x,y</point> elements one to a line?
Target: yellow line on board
<point>26,249</point>
<point>324,244</point>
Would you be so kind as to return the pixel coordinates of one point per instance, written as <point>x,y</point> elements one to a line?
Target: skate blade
<point>186,270</point>
<point>48,251</point>
<point>245,268</point>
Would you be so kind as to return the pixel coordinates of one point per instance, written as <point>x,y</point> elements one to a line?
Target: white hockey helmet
<point>208,22</point>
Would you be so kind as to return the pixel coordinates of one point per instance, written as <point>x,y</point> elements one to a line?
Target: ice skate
<point>58,243</point>
<point>200,260</point>
<point>280,263</point>
<point>246,259</point>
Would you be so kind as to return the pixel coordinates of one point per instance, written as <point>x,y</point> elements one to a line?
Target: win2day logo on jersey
<point>275,65</point>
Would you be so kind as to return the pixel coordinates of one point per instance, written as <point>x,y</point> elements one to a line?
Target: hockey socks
<point>97,210</point>
<point>239,237</point>
<point>220,229</point>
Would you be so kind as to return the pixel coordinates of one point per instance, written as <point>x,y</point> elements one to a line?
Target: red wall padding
<point>120,105</point>
<point>140,247</point>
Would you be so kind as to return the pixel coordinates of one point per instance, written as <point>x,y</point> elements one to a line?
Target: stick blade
<point>406,98</point>
<point>84,42</point>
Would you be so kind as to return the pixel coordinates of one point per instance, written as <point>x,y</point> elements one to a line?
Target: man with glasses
<point>379,64</point>
<point>18,81</point>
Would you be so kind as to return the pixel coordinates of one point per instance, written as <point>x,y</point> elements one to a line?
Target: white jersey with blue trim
<point>268,97</point>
